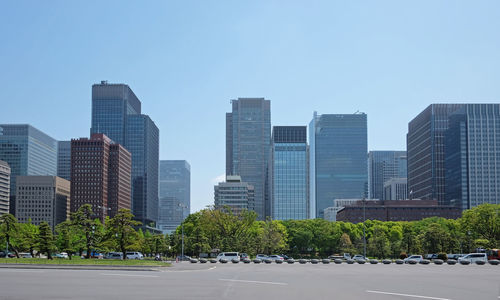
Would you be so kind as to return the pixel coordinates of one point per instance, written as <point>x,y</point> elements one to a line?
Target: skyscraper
<point>142,140</point>
<point>116,112</point>
<point>426,152</point>
<point>100,175</point>
<point>382,166</point>
<point>338,168</point>
<point>288,173</point>
<point>4,187</point>
<point>175,191</point>
<point>248,135</point>
<point>111,104</point>
<point>28,151</point>
<point>472,156</point>
<point>64,159</point>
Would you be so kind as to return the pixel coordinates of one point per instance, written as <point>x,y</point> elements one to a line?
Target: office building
<point>338,168</point>
<point>100,173</point>
<point>396,189</point>
<point>175,194</point>
<point>288,173</point>
<point>248,135</point>
<point>64,159</point>
<point>28,151</point>
<point>143,143</point>
<point>426,152</point>
<point>234,194</point>
<point>404,210</point>
<point>116,112</point>
<point>4,187</point>
<point>42,198</point>
<point>382,166</point>
<point>472,156</point>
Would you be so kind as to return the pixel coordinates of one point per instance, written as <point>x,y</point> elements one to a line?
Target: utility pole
<point>364,230</point>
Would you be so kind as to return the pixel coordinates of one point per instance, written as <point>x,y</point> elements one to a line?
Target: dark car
<point>183,258</point>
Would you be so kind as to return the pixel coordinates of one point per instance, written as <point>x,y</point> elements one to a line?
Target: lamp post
<point>104,208</point>
<point>364,230</point>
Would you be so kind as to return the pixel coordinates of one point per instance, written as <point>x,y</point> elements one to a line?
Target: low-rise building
<point>235,194</point>
<point>42,198</point>
<point>396,189</point>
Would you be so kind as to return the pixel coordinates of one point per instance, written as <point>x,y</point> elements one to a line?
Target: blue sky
<point>185,60</point>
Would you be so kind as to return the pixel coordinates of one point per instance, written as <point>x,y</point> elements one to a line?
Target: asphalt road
<point>241,281</point>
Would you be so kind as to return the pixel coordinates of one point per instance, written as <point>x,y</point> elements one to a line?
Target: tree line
<point>218,230</point>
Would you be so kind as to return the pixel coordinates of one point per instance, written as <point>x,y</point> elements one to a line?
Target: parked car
<point>473,257</point>
<point>285,257</point>
<point>358,257</point>
<point>454,256</point>
<point>135,255</point>
<point>60,255</point>
<point>345,256</point>
<point>183,258</point>
<point>261,256</point>
<point>275,257</point>
<point>417,258</point>
<point>243,256</point>
<point>431,256</point>
<point>114,255</point>
<point>228,255</point>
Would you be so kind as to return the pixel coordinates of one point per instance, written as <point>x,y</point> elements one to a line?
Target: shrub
<point>403,255</point>
<point>442,256</point>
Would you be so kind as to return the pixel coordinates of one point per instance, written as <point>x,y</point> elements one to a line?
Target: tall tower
<point>248,135</point>
<point>338,168</point>
<point>116,112</point>
<point>288,173</point>
<point>426,152</point>
<point>382,166</point>
<point>175,191</point>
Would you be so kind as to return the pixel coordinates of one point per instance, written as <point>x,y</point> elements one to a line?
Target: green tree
<point>346,245</point>
<point>9,231</point>
<point>121,229</point>
<point>483,222</point>
<point>273,237</point>
<point>434,239</point>
<point>69,239</point>
<point>28,233</point>
<point>83,220</point>
<point>378,244</point>
<point>45,240</point>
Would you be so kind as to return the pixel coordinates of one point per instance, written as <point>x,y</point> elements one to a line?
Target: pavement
<point>258,281</point>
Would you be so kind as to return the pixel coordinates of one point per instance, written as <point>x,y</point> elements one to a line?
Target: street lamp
<point>104,208</point>
<point>364,230</point>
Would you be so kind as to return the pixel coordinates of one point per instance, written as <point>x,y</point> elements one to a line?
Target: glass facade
<point>426,152</point>
<point>338,159</point>
<point>473,156</point>
<point>116,112</point>
<point>142,141</point>
<point>28,151</point>
<point>111,103</point>
<point>175,191</point>
<point>289,173</point>
<point>248,133</point>
<point>382,166</point>
<point>64,159</point>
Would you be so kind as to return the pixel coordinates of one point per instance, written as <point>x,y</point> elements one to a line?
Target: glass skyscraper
<point>248,136</point>
<point>28,151</point>
<point>64,159</point>
<point>426,152</point>
<point>175,191</point>
<point>472,161</point>
<point>338,168</point>
<point>289,173</point>
<point>116,112</point>
<point>382,166</point>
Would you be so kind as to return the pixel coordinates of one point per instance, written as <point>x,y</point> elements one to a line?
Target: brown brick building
<point>396,210</point>
<point>100,175</point>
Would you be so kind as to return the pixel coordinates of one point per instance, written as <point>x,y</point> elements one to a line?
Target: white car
<point>135,255</point>
<point>358,257</point>
<point>261,256</point>
<point>228,255</point>
<point>473,257</point>
<point>417,258</point>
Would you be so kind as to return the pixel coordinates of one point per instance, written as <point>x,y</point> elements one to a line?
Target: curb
<point>81,267</point>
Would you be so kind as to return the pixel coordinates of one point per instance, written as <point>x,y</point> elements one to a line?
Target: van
<point>135,255</point>
<point>228,255</point>
<point>473,257</point>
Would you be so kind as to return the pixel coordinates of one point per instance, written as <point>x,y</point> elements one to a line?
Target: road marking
<point>175,271</point>
<point>407,295</point>
<point>128,275</point>
<point>252,281</point>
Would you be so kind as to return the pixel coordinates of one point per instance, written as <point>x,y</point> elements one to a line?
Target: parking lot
<point>258,281</point>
